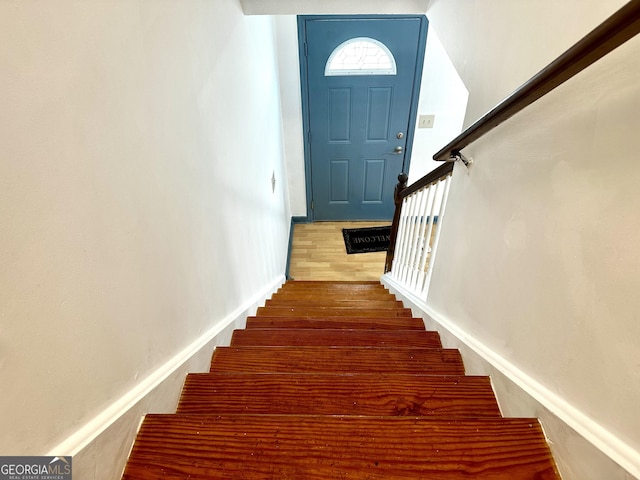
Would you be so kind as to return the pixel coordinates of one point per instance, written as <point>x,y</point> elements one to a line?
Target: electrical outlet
<point>426,121</point>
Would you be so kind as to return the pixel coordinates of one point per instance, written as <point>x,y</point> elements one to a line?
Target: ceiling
<point>309,7</point>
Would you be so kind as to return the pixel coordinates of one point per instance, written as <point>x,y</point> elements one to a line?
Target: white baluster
<point>423,247</point>
<point>396,268</point>
<point>438,192</point>
<point>409,238</point>
<point>415,259</point>
<point>422,197</point>
<point>436,240</point>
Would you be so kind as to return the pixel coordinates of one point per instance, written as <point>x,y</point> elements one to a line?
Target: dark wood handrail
<point>613,32</point>
<point>400,193</point>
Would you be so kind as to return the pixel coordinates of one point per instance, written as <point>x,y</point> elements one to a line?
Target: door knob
<point>397,150</point>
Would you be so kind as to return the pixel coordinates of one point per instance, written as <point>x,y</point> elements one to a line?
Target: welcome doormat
<point>364,240</point>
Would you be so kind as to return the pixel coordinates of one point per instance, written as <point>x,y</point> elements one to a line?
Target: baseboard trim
<point>294,222</point>
<point>90,432</point>
<point>602,439</point>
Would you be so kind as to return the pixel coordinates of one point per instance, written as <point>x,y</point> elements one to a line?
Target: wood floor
<point>318,253</point>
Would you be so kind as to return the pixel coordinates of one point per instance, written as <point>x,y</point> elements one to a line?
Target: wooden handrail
<point>613,32</point>
<point>400,193</point>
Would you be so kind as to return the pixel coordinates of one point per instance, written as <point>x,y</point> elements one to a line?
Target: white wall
<point>539,263</point>
<point>518,395</point>
<point>138,142</point>
<point>291,95</point>
<point>443,95</point>
<point>497,45</point>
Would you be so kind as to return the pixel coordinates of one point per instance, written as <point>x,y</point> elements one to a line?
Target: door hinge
<point>309,136</point>
<point>312,205</point>
<point>306,49</point>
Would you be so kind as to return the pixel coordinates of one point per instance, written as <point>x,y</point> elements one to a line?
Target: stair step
<point>336,285</point>
<point>333,303</point>
<point>338,295</point>
<point>331,322</point>
<point>332,312</point>
<point>331,394</point>
<point>264,447</point>
<point>330,290</point>
<point>335,337</point>
<point>338,380</point>
<point>337,360</point>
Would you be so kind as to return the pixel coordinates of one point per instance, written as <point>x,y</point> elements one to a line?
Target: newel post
<point>397,199</point>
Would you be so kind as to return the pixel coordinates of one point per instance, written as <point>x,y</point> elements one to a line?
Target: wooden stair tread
<point>302,311</point>
<point>337,360</point>
<point>338,295</point>
<point>326,447</point>
<point>339,290</point>
<point>337,380</point>
<point>333,322</point>
<point>329,285</point>
<point>335,337</point>
<point>331,394</point>
<point>333,303</point>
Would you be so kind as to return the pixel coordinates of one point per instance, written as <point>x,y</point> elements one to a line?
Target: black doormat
<point>363,240</point>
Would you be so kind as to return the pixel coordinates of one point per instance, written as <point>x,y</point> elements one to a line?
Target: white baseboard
<point>583,449</point>
<point>101,447</point>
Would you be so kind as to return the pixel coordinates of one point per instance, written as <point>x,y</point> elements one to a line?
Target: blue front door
<point>362,82</point>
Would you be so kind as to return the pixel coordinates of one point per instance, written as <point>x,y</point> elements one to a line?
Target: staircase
<point>338,381</point>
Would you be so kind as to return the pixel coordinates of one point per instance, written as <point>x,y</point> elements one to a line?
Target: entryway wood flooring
<point>318,253</point>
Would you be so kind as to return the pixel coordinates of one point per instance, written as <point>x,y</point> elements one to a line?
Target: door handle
<point>398,150</point>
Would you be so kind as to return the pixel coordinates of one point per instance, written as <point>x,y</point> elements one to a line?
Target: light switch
<point>426,121</point>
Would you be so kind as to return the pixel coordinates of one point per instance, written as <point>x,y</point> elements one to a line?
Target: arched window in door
<point>360,56</point>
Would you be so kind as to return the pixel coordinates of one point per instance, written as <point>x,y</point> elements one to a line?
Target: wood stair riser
<point>342,322</point>
<point>334,394</point>
<point>351,303</point>
<point>334,337</point>
<point>333,312</point>
<point>313,295</point>
<point>345,284</point>
<point>337,360</point>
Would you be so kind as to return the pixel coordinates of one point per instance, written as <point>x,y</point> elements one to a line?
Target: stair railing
<point>415,231</point>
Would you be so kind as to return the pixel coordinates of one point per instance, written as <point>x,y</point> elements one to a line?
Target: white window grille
<point>360,56</point>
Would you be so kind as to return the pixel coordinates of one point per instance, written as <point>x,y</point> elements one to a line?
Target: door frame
<point>304,86</point>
